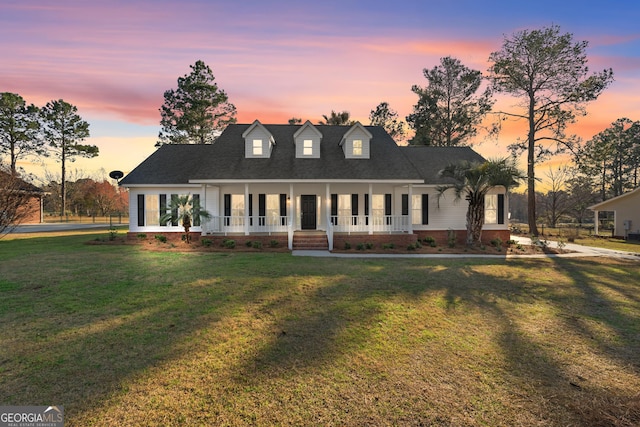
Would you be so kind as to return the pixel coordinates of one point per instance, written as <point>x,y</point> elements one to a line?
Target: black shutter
<point>283,208</point>
<point>500,208</point>
<point>366,209</point>
<point>227,209</point>
<point>174,212</point>
<point>163,209</point>
<point>334,208</point>
<point>425,209</point>
<point>405,204</point>
<point>196,210</point>
<point>262,208</point>
<point>140,210</point>
<point>250,209</point>
<point>354,209</point>
<point>387,207</point>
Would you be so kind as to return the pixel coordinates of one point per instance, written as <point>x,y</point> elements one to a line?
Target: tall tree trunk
<point>475,219</point>
<point>531,175</point>
<point>63,206</point>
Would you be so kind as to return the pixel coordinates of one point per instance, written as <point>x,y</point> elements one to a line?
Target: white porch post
<point>246,209</point>
<point>410,203</point>
<point>370,208</point>
<point>595,222</point>
<point>327,210</point>
<point>292,204</point>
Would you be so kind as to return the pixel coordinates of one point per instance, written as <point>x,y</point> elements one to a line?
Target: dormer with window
<point>258,141</point>
<point>356,142</point>
<point>307,140</point>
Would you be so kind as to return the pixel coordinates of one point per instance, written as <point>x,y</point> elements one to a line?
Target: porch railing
<point>236,224</point>
<point>361,224</point>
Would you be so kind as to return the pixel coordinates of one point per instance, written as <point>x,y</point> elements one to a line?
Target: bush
<point>206,242</point>
<point>360,247</point>
<point>451,238</point>
<point>112,234</point>
<point>256,244</point>
<point>229,243</point>
<point>161,237</point>
<point>347,245</point>
<point>369,245</point>
<point>248,243</point>
<point>274,243</point>
<point>430,241</point>
<point>418,244</point>
<point>497,243</point>
<point>411,247</point>
<point>388,246</point>
<point>142,236</point>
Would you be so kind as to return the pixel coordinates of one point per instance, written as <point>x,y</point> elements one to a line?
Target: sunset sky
<point>279,59</point>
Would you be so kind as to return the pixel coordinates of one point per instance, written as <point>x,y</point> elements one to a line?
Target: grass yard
<point>123,336</point>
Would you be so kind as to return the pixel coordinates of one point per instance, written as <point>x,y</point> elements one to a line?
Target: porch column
<point>595,222</point>
<point>410,203</point>
<point>370,208</point>
<point>246,209</point>
<point>292,215</point>
<point>327,210</point>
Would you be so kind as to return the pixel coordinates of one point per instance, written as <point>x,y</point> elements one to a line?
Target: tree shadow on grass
<point>85,334</point>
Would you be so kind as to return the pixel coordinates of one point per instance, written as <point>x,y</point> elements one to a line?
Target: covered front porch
<point>327,207</point>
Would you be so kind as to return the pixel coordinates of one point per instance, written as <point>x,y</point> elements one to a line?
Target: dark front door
<point>309,214</point>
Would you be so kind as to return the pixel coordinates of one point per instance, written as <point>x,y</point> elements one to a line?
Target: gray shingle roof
<point>429,161</point>
<point>225,159</point>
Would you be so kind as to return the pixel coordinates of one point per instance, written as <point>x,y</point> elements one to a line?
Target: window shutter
<point>387,207</point>
<point>250,209</point>
<point>262,208</point>
<point>366,208</point>
<point>334,208</point>
<point>425,209</point>
<point>227,209</point>
<point>163,209</point>
<point>283,208</point>
<point>405,204</point>
<point>354,208</point>
<point>174,212</point>
<point>140,210</point>
<point>196,210</point>
<point>500,208</point>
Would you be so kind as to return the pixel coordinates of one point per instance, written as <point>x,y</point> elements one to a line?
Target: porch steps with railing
<point>310,241</point>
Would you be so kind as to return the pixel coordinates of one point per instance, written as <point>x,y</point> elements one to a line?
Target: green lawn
<point>119,335</point>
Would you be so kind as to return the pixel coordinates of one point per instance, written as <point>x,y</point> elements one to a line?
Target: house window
<point>237,205</point>
<point>377,208</point>
<point>344,209</point>
<point>273,209</point>
<point>257,147</point>
<point>357,147</point>
<point>307,147</point>
<point>152,211</point>
<point>416,209</point>
<point>494,209</point>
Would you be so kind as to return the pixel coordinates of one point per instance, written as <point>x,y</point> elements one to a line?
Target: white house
<point>626,208</point>
<point>292,181</point>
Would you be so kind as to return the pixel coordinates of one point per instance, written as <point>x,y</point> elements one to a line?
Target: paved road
<point>59,226</point>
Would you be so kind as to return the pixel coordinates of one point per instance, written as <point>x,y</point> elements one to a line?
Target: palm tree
<point>473,180</point>
<point>181,210</point>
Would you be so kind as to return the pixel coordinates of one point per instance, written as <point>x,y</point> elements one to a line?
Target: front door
<point>309,214</point>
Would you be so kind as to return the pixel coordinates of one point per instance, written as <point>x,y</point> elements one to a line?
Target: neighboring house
<point>31,212</point>
<point>341,183</point>
<point>626,209</point>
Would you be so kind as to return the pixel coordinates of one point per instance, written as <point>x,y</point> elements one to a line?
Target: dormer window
<point>307,147</point>
<point>356,142</point>
<point>257,147</point>
<point>307,140</point>
<point>357,147</point>
<point>258,141</point>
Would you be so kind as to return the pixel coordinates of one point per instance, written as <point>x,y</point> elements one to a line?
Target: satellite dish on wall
<point>116,175</point>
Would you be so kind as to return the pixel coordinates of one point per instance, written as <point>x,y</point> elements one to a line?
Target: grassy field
<point>119,335</point>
